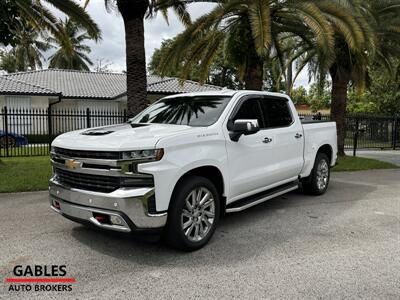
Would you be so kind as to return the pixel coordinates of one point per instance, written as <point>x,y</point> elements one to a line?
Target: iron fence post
<point>49,126</point>
<point>87,117</point>
<point>6,129</point>
<point>395,129</point>
<point>355,137</point>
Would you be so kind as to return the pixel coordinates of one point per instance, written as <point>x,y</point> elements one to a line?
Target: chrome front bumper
<point>130,204</point>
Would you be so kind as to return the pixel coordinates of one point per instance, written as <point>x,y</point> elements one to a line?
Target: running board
<point>248,202</point>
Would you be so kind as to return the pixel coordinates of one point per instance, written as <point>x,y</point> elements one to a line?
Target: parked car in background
<point>12,139</point>
<point>188,159</point>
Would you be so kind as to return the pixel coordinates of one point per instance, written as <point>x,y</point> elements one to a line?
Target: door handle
<point>267,140</point>
<point>298,135</point>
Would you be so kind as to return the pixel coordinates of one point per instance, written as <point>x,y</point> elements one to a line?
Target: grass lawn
<point>22,174</point>
<point>351,163</point>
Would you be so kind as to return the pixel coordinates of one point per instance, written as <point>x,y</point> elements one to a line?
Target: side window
<point>250,109</point>
<point>276,112</point>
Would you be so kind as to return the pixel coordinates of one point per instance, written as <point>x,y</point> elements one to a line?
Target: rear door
<point>285,131</point>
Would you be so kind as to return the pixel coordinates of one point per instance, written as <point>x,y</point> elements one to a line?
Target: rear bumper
<point>127,205</point>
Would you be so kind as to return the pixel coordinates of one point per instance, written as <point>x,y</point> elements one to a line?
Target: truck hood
<point>123,137</point>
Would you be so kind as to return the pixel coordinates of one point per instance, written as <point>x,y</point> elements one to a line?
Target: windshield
<point>192,111</point>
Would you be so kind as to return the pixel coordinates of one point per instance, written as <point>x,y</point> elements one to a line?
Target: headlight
<point>144,155</point>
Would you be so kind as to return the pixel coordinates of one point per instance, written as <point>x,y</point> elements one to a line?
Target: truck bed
<point>318,133</point>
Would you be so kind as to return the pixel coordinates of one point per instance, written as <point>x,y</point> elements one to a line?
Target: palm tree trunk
<point>223,77</point>
<point>289,79</point>
<point>254,75</point>
<point>135,66</point>
<point>338,107</point>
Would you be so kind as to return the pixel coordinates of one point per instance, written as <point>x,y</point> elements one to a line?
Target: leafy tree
<point>38,16</point>
<point>8,62</point>
<point>299,95</point>
<point>381,97</point>
<point>27,54</point>
<point>220,73</point>
<point>273,78</point>
<point>29,48</point>
<point>224,73</point>
<point>319,97</point>
<point>71,53</point>
<point>157,57</point>
<point>8,22</point>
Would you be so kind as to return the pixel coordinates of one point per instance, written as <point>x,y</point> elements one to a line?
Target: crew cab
<point>186,160</point>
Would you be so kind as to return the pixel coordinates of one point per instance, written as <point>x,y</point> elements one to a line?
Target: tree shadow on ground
<point>241,236</point>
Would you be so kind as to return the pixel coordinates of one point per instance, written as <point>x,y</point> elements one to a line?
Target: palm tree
<point>72,53</point>
<point>8,62</point>
<point>27,52</point>
<point>367,32</point>
<point>249,31</point>
<point>29,47</point>
<point>133,13</point>
<point>40,17</point>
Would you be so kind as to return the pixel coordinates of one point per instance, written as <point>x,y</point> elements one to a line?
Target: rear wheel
<point>193,214</point>
<point>318,181</point>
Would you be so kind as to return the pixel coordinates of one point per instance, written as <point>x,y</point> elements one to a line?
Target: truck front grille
<point>100,183</point>
<point>88,154</point>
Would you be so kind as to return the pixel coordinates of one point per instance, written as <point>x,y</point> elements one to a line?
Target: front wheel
<point>193,214</point>
<point>318,181</point>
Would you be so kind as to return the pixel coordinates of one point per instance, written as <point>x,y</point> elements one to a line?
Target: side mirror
<point>245,127</point>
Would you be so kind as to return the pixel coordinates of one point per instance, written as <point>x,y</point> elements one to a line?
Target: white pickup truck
<point>186,160</point>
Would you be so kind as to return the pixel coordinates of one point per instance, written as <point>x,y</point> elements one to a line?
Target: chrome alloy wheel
<point>198,214</point>
<point>322,174</point>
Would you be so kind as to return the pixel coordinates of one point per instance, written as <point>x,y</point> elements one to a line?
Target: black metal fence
<point>369,131</point>
<point>29,132</point>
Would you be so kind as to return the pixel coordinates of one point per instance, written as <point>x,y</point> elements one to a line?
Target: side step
<point>253,200</point>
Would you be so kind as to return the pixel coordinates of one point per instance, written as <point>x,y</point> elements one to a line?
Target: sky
<point>111,49</point>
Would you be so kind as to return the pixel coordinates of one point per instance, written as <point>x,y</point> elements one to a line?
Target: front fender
<point>178,160</point>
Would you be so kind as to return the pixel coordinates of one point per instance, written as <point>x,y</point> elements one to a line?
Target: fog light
<point>56,204</point>
<point>101,218</point>
<point>116,220</point>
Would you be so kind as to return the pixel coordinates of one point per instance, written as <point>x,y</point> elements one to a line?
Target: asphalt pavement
<point>345,244</point>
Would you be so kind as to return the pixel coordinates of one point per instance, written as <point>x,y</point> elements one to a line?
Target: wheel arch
<point>327,150</point>
<point>213,174</point>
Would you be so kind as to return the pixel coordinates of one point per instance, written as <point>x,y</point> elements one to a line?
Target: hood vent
<point>97,132</point>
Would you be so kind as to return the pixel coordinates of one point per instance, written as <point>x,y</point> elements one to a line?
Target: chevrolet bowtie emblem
<point>72,164</point>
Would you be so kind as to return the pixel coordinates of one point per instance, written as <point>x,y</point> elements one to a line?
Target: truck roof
<point>228,92</point>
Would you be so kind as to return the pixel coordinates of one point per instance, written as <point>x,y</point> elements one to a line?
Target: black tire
<point>174,234</point>
<point>312,184</point>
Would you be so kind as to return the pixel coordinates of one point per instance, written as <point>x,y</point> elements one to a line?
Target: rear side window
<point>276,112</point>
<point>250,110</point>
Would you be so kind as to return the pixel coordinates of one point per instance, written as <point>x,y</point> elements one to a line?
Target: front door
<point>248,158</point>
<point>272,155</point>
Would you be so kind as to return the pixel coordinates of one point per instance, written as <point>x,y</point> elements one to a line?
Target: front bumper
<point>129,204</point>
